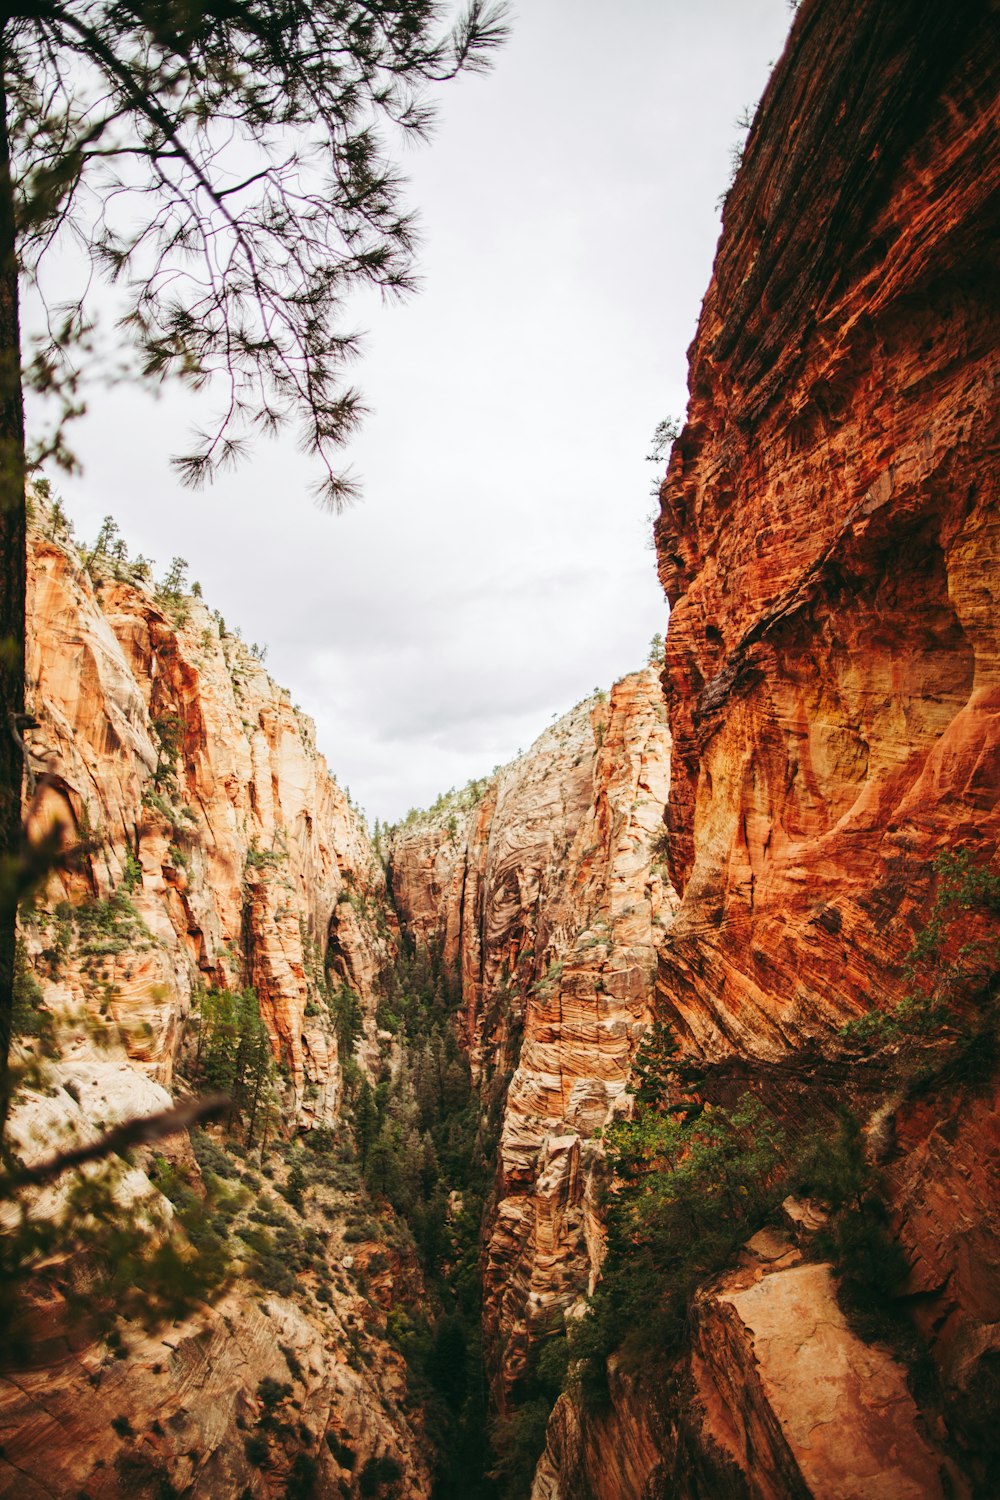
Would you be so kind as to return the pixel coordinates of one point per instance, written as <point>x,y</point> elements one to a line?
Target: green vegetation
<point>692,1183</point>
<point>833,1166</point>
<point>233,1057</point>
<point>377,1473</point>
<point>665,436</point>
<point>110,925</point>
<point>421,1147</point>
<point>29,1017</point>
<point>169,732</point>
<point>952,985</point>
<point>446,809</point>
<point>137,1266</point>
<point>346,1015</point>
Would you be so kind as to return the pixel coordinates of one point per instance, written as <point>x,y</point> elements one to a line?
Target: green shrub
<point>255,1447</point>
<point>342,1451</point>
<point>29,1017</point>
<point>377,1473</point>
<point>518,1441</point>
<point>945,977</point>
<point>689,1190</point>
<point>870,1263</point>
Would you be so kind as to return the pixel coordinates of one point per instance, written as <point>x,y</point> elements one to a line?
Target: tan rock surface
<point>550,904</point>
<point>801,1404</point>
<point>243,850</point>
<point>245,863</point>
<point>190,1395</point>
<point>829,540</point>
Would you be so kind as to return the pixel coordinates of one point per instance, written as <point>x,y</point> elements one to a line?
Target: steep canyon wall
<point>550,901</point>
<point>219,852</point>
<point>829,541</point>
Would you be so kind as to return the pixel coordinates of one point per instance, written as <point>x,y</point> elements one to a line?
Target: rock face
<point>829,533</point>
<point>829,541</point>
<point>179,1410</point>
<point>239,854</point>
<point>550,903</point>
<point>791,1397</point>
<point>221,853</point>
<point>781,1401</point>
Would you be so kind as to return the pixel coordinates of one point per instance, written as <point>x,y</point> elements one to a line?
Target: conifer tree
<point>223,162</point>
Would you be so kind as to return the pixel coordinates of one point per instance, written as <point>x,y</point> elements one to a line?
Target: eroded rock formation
<point>829,532</point>
<point>829,541</point>
<point>550,901</point>
<point>215,814</point>
<point>221,852</point>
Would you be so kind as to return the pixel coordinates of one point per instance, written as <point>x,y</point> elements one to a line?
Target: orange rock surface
<point>830,529</point>
<point>829,540</point>
<point>239,853</point>
<point>244,864</point>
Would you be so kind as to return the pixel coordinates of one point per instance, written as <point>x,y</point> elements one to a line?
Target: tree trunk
<point>12,588</point>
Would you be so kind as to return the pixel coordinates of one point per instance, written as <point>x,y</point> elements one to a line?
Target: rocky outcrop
<point>829,540</point>
<point>259,1395</point>
<point>215,850</point>
<point>791,1402</point>
<point>236,857</point>
<point>829,533</point>
<point>780,1400</point>
<point>550,902</point>
<point>191,1394</point>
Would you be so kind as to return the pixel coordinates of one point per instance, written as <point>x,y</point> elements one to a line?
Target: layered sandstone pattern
<point>829,541</point>
<point>551,903</point>
<point>177,1411</point>
<point>240,857</point>
<point>829,533</point>
<point>219,852</point>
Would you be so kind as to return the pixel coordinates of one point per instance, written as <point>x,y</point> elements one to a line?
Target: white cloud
<point>499,566</point>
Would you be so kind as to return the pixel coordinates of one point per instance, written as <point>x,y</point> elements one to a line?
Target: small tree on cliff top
<point>222,162</point>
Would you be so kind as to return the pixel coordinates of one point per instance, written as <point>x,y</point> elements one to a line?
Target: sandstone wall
<point>829,540</point>
<point>242,857</point>
<point>235,859</point>
<point>551,903</point>
<point>829,532</point>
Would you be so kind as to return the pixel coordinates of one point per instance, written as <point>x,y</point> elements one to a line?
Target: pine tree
<point>222,162</point>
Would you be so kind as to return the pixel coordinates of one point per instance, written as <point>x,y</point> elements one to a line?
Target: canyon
<point>776,846</point>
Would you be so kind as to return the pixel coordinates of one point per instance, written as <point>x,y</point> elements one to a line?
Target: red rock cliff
<point>829,540</point>
<point>829,531</point>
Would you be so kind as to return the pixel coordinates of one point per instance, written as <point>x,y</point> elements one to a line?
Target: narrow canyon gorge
<point>625,1125</point>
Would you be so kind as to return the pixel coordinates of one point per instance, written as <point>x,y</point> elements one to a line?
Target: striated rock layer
<point>780,1400</point>
<point>221,852</point>
<point>550,903</point>
<point>829,541</point>
<point>829,532</point>
<point>241,857</point>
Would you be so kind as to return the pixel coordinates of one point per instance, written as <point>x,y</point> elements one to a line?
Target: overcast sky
<point>499,567</point>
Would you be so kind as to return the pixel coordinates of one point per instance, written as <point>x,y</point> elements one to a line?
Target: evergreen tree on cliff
<point>223,164</point>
